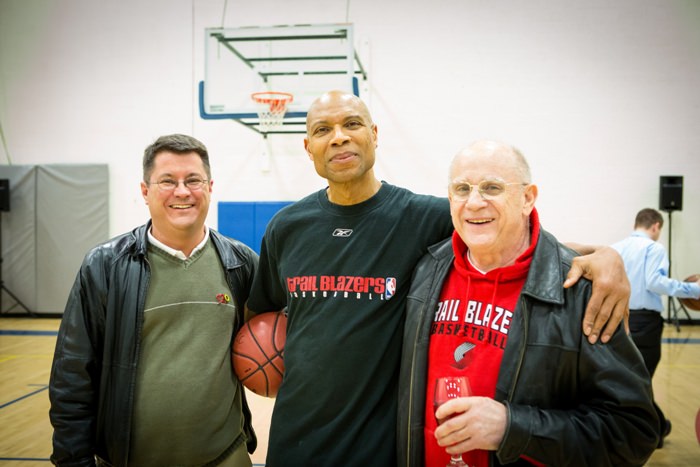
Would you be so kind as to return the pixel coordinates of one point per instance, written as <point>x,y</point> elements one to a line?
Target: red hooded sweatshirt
<point>469,332</point>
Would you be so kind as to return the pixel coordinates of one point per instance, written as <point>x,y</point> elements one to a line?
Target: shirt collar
<point>172,251</point>
<point>640,233</point>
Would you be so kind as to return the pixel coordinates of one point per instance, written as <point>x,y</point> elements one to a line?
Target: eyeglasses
<point>192,184</point>
<point>488,189</point>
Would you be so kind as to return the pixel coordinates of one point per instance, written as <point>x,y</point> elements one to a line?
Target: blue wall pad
<point>246,221</point>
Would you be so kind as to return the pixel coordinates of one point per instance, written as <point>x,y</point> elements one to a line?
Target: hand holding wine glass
<point>446,388</point>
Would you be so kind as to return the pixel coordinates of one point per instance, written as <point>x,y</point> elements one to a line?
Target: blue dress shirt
<point>646,264</point>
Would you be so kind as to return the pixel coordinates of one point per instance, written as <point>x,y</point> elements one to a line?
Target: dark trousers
<point>646,327</point>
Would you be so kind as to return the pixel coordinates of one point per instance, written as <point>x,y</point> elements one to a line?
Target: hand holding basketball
<point>691,303</point>
<point>258,353</point>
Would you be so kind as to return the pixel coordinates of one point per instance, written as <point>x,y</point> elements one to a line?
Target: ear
<point>306,148</point>
<point>144,191</point>
<point>374,133</point>
<point>530,194</point>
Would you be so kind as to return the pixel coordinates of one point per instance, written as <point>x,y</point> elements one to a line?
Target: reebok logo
<point>342,232</point>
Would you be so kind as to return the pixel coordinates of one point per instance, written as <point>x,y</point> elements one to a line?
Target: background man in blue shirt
<point>646,264</point>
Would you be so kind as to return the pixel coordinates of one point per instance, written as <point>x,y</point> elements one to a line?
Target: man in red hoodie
<point>488,304</point>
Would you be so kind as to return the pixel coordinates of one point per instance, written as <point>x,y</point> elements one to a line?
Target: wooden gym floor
<point>26,350</point>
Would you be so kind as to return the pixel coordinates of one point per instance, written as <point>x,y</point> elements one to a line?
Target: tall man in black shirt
<point>340,261</point>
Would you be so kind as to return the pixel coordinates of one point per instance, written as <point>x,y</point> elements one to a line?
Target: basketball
<point>258,353</point>
<point>692,303</point>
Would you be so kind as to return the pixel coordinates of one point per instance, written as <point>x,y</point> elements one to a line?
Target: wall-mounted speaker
<point>671,193</point>
<point>4,194</point>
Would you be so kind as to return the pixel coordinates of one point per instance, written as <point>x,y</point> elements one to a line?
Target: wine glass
<point>446,388</point>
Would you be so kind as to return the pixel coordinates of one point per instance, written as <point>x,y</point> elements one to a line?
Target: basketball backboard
<point>304,60</point>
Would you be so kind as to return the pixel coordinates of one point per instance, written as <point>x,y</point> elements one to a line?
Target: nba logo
<point>390,287</point>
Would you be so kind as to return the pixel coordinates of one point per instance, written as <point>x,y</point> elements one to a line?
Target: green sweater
<point>187,408</point>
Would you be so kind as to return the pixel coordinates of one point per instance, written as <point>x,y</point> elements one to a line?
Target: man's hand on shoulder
<point>609,303</point>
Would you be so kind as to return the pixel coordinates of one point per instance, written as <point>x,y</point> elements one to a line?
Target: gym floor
<point>26,350</point>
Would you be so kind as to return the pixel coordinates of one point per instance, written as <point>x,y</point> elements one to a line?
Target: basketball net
<point>271,107</point>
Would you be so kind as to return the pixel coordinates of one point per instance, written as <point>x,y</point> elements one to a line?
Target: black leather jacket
<point>568,402</point>
<point>94,369</point>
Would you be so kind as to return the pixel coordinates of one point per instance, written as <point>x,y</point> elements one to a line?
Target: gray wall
<point>57,213</point>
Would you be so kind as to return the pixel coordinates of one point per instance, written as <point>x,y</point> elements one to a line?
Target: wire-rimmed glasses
<point>192,184</point>
<point>488,189</point>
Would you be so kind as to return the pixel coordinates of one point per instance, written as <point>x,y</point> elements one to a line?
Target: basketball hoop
<point>271,108</point>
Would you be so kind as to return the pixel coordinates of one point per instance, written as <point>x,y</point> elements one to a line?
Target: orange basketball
<point>258,353</point>
<point>692,303</point>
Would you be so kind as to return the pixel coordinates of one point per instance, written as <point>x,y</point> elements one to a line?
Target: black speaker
<point>671,193</point>
<point>4,194</point>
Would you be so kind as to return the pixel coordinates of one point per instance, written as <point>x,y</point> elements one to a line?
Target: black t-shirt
<point>343,272</point>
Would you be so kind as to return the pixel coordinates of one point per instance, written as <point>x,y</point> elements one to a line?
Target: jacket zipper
<point>137,353</point>
<point>525,312</point>
<point>424,308</point>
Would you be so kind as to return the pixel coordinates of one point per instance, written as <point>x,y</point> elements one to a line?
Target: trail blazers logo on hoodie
<point>476,320</point>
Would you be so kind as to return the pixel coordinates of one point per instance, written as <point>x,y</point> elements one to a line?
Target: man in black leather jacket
<point>542,393</point>
<point>142,372</point>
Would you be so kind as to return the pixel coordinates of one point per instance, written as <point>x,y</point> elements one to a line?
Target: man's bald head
<point>496,150</point>
<point>336,99</point>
